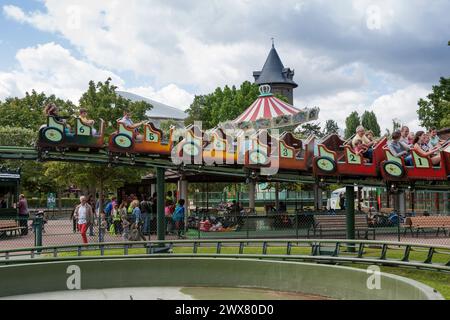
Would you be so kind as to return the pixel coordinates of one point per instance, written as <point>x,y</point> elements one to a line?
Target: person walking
<point>125,228</point>
<point>136,233</point>
<point>342,201</point>
<point>90,201</point>
<point>108,210</point>
<point>74,220</point>
<point>23,215</point>
<point>116,216</point>
<point>102,227</point>
<point>178,218</point>
<point>146,208</point>
<point>153,222</point>
<point>83,214</point>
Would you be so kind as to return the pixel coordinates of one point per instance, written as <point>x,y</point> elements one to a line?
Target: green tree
<point>309,129</point>
<point>32,179</point>
<point>434,110</point>
<point>102,102</point>
<point>28,112</point>
<point>369,122</point>
<point>331,127</point>
<point>351,123</point>
<point>221,105</point>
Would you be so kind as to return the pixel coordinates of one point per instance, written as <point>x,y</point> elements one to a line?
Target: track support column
<point>350,214</point>
<point>251,193</point>
<point>161,228</point>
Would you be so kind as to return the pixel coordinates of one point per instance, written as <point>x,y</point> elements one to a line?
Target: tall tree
<point>28,112</point>
<point>102,101</point>
<point>369,122</point>
<point>351,123</point>
<point>434,110</point>
<point>221,105</point>
<point>309,129</point>
<point>331,127</point>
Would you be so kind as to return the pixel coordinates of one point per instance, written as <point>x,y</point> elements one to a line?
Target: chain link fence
<point>59,228</point>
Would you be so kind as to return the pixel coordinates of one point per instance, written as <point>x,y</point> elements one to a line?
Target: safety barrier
<point>431,257</point>
<point>326,281</point>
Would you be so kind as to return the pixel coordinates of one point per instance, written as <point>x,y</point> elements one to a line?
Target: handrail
<point>333,252</point>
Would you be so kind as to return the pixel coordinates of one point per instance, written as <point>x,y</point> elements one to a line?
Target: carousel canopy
<point>267,107</point>
<point>270,112</point>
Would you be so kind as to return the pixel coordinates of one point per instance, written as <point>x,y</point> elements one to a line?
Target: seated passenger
<point>51,110</point>
<point>426,146</point>
<point>370,135</point>
<point>419,141</point>
<point>360,135</point>
<point>404,131</point>
<point>360,149</point>
<point>84,120</point>
<point>398,148</point>
<point>434,139</point>
<point>411,138</point>
<point>128,123</point>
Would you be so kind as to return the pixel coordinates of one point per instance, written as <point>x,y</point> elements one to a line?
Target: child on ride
<point>360,148</point>
<point>371,136</point>
<point>84,120</point>
<point>51,110</point>
<point>423,150</point>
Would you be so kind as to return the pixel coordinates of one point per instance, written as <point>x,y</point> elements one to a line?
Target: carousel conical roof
<point>266,107</point>
<point>268,112</point>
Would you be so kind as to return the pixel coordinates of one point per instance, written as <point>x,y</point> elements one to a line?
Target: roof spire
<point>273,42</point>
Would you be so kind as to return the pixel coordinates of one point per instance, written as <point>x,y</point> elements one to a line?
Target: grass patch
<point>435,279</point>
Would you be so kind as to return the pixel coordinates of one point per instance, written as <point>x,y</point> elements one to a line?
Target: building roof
<point>159,110</point>
<point>273,71</point>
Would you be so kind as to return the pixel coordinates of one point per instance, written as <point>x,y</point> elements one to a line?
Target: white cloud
<point>337,106</point>
<point>171,95</point>
<point>51,68</point>
<point>341,65</point>
<point>197,44</point>
<point>401,105</point>
<point>36,19</point>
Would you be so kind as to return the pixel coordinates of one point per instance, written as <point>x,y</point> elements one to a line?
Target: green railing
<point>398,254</point>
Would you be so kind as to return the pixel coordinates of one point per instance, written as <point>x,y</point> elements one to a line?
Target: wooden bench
<point>427,222</point>
<point>386,210</point>
<point>11,226</point>
<point>339,223</point>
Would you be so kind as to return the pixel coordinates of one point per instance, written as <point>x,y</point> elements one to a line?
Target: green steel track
<point>103,158</point>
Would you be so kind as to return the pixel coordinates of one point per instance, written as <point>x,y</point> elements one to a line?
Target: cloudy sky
<point>348,55</point>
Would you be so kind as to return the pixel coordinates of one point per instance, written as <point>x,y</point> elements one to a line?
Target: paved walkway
<point>60,232</point>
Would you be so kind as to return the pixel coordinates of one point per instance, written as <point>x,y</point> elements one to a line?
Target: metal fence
<point>58,228</point>
<point>404,254</point>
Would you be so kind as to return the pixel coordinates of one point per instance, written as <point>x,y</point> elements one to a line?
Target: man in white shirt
<point>129,124</point>
<point>83,214</point>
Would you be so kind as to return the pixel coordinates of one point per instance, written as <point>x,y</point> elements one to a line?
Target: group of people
<point>425,144</point>
<point>363,143</point>
<point>131,219</point>
<point>51,110</point>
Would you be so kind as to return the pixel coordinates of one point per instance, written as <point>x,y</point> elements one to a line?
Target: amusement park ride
<point>333,156</point>
<point>241,147</point>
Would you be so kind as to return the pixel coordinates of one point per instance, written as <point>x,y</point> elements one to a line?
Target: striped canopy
<point>269,112</point>
<point>266,107</point>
